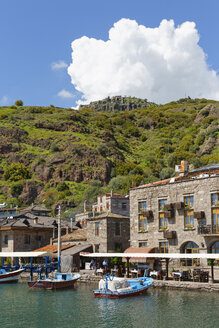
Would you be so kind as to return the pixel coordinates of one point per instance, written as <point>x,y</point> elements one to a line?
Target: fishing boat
<point>12,276</point>
<point>60,280</point>
<point>121,287</point>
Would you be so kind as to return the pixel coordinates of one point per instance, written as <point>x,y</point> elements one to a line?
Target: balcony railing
<point>208,229</point>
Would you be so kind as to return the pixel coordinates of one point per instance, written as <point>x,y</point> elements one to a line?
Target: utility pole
<point>59,238</point>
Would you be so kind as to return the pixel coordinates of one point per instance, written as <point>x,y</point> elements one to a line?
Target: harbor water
<point>22,307</point>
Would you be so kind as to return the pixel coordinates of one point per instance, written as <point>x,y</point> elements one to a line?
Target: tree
<point>19,102</point>
<point>16,172</point>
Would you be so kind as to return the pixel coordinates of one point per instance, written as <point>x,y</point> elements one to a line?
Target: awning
<point>139,250</point>
<point>26,254</point>
<point>156,255</point>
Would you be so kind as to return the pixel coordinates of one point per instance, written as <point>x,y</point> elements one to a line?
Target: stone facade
<point>112,203</point>
<point>108,232</point>
<point>160,216</point>
<point>23,240</point>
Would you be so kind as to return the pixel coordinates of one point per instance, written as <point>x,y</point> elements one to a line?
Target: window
<point>188,201</point>
<point>117,229</point>
<point>215,199</point>
<point>215,247</point>
<point>161,204</point>
<point>215,220</point>
<point>143,244</point>
<point>124,205</point>
<point>97,228</point>
<point>142,223</point>
<point>215,212</point>
<point>191,248</point>
<point>6,240</point>
<point>189,212</point>
<point>96,248</point>
<point>163,246</point>
<point>95,209</point>
<point>142,206</point>
<point>101,208</point>
<point>26,239</point>
<point>117,247</point>
<point>163,221</point>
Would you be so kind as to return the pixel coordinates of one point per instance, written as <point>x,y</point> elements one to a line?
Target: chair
<point>185,276</point>
<point>196,275</point>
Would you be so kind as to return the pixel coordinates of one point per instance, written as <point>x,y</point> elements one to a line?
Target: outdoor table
<point>134,272</point>
<point>154,274</point>
<point>177,275</point>
<point>99,271</point>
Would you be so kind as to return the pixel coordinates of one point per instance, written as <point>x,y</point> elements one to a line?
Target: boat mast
<point>59,238</point>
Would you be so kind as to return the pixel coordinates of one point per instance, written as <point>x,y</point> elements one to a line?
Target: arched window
<point>215,247</point>
<point>191,248</point>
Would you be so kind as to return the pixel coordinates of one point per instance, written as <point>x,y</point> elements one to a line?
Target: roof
<point>26,254</point>
<point>113,195</point>
<point>157,183</point>
<point>29,220</point>
<point>206,168</point>
<point>51,248</point>
<point>76,249</point>
<point>185,177</point>
<point>108,215</point>
<point>156,255</point>
<point>79,234</point>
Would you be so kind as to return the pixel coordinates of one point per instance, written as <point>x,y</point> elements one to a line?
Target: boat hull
<point>13,276</point>
<point>50,284</point>
<point>114,295</point>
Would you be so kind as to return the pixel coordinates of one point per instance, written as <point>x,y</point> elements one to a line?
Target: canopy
<point>156,255</point>
<point>26,254</point>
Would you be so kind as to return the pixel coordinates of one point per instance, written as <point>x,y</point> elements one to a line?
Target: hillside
<point>69,155</point>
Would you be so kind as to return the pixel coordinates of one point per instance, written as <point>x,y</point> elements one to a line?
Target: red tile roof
<point>51,248</point>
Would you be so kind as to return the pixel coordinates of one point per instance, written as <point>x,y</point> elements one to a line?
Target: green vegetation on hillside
<point>69,155</point>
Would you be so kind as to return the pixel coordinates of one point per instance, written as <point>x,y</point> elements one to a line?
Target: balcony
<point>199,215</point>
<point>208,230</point>
<point>169,234</point>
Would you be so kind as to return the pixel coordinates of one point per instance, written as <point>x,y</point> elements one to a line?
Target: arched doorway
<point>191,248</point>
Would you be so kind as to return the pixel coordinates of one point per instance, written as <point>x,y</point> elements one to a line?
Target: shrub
<point>19,102</point>
<point>62,186</point>
<point>16,172</point>
<point>166,173</point>
<point>16,189</point>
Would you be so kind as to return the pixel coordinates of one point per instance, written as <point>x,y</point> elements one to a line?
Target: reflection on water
<point>21,308</point>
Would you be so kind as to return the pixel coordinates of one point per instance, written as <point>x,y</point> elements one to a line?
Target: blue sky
<point>35,34</point>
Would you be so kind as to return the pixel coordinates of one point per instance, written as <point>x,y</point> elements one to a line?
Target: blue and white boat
<point>121,287</point>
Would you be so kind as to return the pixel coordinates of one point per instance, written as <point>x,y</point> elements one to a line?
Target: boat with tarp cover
<point>114,287</point>
<point>61,280</point>
<point>11,276</point>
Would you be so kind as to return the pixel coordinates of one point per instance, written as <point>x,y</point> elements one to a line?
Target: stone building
<point>108,232</point>
<point>113,203</point>
<point>26,231</point>
<point>106,203</point>
<point>178,215</point>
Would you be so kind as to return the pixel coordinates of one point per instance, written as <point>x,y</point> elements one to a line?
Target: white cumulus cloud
<point>65,94</point>
<point>58,65</point>
<point>161,64</point>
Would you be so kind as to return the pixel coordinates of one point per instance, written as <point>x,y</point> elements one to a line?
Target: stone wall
<point>17,242</point>
<point>174,192</point>
<point>107,239</point>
